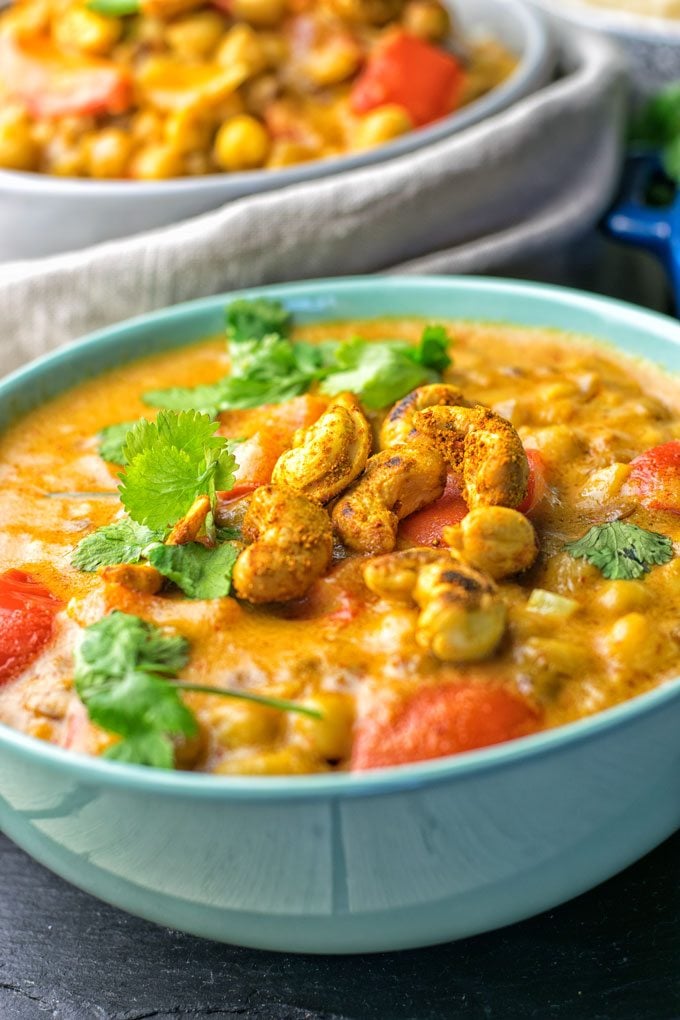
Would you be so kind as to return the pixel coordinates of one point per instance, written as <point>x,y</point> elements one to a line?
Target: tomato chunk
<point>56,84</point>
<point>537,486</point>
<point>655,477</point>
<point>426,526</point>
<point>411,73</point>
<point>27,612</point>
<point>439,721</point>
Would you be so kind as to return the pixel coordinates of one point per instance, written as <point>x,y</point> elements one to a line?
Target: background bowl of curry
<point>43,215</point>
<point>385,860</point>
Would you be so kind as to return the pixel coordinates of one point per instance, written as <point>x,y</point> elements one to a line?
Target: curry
<point>341,546</point>
<point>156,89</point>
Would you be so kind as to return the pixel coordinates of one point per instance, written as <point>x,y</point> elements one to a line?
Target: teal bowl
<point>393,859</point>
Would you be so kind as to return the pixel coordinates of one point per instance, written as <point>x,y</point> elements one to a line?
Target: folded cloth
<point>531,177</point>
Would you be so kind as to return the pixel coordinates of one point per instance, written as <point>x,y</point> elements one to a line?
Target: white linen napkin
<point>525,181</point>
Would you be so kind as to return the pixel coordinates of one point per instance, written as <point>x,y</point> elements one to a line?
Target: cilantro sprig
<point>123,541</point>
<point>268,367</point>
<point>622,551</point>
<point>657,126</point>
<point>112,440</point>
<point>126,676</point>
<point>170,463</point>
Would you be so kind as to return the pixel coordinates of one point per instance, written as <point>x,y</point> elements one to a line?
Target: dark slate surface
<point>613,954</point>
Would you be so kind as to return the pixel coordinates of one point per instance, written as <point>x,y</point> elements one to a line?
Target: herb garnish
<point>125,675</point>
<point>268,367</point>
<point>123,541</point>
<point>112,440</point>
<point>170,462</point>
<point>199,572</point>
<point>658,126</point>
<point>622,551</point>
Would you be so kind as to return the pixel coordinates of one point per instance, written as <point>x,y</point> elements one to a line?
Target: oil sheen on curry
<point>339,547</point>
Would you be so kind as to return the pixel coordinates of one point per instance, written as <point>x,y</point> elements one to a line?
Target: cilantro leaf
<point>171,462</point>
<point>125,670</point>
<point>112,440</point>
<point>255,319</point>
<point>120,642</point>
<point>658,123</point>
<point>201,573</point>
<point>380,374</point>
<point>432,351</point>
<point>124,541</point>
<point>119,666</point>
<point>268,368</point>
<point>622,551</point>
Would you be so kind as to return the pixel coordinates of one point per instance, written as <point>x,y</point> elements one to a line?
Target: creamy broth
<point>588,412</point>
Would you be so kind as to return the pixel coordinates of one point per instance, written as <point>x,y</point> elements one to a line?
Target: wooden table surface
<point>612,954</point>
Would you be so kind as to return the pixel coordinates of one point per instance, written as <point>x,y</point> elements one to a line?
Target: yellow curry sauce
<point>341,648</point>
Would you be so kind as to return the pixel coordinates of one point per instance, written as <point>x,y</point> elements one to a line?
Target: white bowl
<point>651,45</point>
<point>43,215</point>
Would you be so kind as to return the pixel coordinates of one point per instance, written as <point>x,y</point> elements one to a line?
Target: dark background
<point>612,954</point>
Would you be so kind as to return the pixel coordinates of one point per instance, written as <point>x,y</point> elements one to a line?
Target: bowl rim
<point>630,24</point>
<point>393,779</point>
<point>253,182</point>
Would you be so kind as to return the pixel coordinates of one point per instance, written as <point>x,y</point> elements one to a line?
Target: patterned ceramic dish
<point>397,858</point>
<point>652,45</point>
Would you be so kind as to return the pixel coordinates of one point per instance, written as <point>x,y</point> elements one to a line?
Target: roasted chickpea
<point>330,737</point>
<point>78,28</point>
<point>381,125</point>
<point>187,132</point>
<point>427,19</point>
<point>156,162</point>
<point>241,144</point>
<point>196,36</point>
<point>259,12</point>
<point>244,724</point>
<point>108,152</point>
<point>18,149</point>
<point>242,45</point>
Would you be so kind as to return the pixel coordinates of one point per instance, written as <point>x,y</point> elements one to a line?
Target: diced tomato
<point>27,612</point>
<point>441,720</point>
<point>537,486</point>
<point>330,600</point>
<point>411,73</point>
<point>425,527</point>
<point>271,430</point>
<point>655,477</point>
<point>55,84</point>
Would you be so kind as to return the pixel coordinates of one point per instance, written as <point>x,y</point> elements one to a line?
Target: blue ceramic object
<point>654,228</point>
<point>398,858</point>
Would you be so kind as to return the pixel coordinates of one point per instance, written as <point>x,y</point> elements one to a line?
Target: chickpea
<point>18,149</point>
<point>557,443</point>
<point>78,28</point>
<point>630,642</point>
<point>285,152</point>
<point>147,126</point>
<point>64,158</point>
<point>381,125</point>
<point>108,152</point>
<point>329,65</point>
<point>329,738</point>
<point>196,36</point>
<point>244,724</point>
<point>621,597</point>
<point>242,45</point>
<point>156,162</point>
<point>427,19</point>
<point>259,12</point>
<point>496,540</point>
<point>185,132</point>
<point>283,761</point>
<point>241,144</point>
